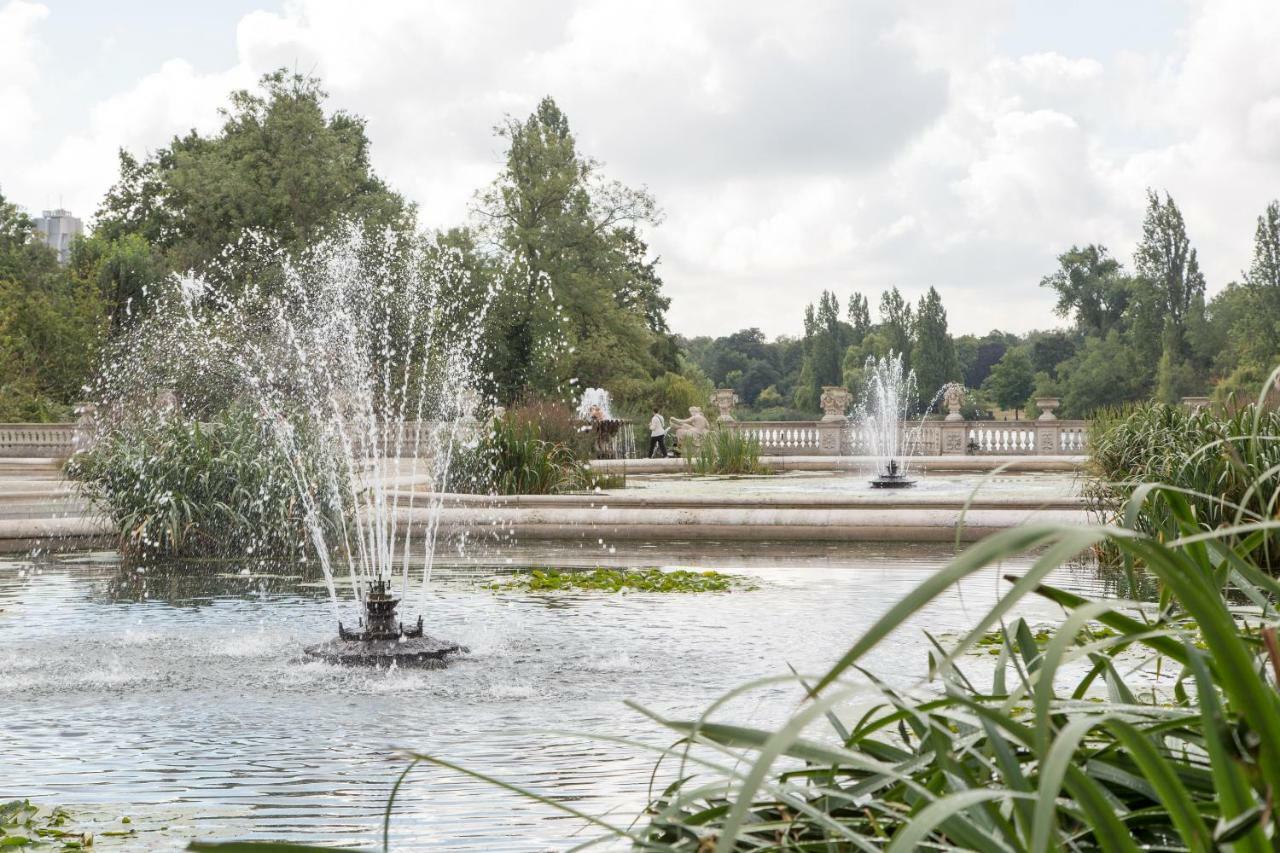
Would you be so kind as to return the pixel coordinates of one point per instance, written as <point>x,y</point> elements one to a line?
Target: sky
<point>792,147</point>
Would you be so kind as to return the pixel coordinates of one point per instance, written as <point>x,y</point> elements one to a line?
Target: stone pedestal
<point>1046,405</point>
<point>835,402</point>
<point>831,437</point>
<point>724,399</point>
<point>955,434</point>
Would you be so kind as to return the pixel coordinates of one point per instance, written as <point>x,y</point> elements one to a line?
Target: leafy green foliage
<point>727,451</point>
<point>1224,466</point>
<point>182,488</point>
<point>580,298</point>
<point>1012,379</point>
<point>512,458</point>
<point>279,166</point>
<point>24,824</point>
<point>622,580</point>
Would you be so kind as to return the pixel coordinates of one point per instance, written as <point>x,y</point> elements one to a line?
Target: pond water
<point>180,697</point>
<point>929,486</point>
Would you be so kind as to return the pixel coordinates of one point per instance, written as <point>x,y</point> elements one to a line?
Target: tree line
<point>1134,334</point>
<point>572,295</point>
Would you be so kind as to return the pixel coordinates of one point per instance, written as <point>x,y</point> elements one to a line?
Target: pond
<point>180,698</point>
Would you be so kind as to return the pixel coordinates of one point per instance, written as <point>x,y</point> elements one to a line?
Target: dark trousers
<point>658,441</point>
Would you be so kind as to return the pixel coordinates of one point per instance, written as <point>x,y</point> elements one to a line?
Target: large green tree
<point>280,167</point>
<point>579,297</point>
<point>1012,379</point>
<point>896,323</point>
<point>50,325</point>
<point>933,353</point>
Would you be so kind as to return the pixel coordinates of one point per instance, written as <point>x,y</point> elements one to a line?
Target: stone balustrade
<point>1048,437</point>
<point>37,440</point>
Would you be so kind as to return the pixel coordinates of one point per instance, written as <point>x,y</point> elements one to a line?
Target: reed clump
<point>727,451</point>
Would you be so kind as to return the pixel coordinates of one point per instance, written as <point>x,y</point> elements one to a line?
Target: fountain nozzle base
<point>381,640</point>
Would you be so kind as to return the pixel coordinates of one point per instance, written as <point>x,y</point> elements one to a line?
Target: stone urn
<point>724,399</point>
<point>835,402</point>
<point>1046,405</point>
<point>953,396</point>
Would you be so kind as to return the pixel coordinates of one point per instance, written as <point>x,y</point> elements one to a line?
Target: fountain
<point>613,438</point>
<point>383,640</point>
<point>360,369</point>
<point>888,398</point>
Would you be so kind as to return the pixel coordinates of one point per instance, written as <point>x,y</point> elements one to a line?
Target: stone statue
<point>692,428</point>
<point>834,401</point>
<point>953,396</point>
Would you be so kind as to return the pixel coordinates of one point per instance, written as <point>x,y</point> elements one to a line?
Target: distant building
<point>57,228</point>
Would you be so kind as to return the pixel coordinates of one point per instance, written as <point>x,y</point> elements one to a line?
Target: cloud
<point>793,148</point>
<point>19,72</point>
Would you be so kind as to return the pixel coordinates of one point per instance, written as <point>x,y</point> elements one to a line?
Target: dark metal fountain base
<point>384,641</point>
<point>892,478</point>
<point>891,483</point>
<point>419,652</point>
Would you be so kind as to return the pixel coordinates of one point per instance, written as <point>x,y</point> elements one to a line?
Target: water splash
<point>359,358</point>
<point>884,415</point>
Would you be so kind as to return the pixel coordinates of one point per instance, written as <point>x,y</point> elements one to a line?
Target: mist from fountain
<point>593,398</point>
<point>360,361</point>
<point>884,414</point>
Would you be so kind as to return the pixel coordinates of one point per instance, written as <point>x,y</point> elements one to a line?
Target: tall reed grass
<point>727,451</point>
<point>1227,467</point>
<point>181,488</point>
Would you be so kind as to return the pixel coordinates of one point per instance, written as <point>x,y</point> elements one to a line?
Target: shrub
<point>513,459</point>
<point>727,451</point>
<point>1226,466</point>
<point>180,488</point>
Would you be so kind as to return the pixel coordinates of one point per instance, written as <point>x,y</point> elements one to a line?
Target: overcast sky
<point>792,146</point>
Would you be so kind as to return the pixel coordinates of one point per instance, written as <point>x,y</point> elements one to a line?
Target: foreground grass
<point>622,580</point>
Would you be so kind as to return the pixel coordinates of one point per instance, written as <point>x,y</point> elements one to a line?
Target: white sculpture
<point>692,428</point>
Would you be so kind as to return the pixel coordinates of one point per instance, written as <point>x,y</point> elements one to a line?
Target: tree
<point>279,167</point>
<point>825,340</point>
<point>1091,284</point>
<point>859,317</point>
<point>896,323</point>
<point>1012,379</point>
<point>50,325</point>
<point>578,268</point>
<point>1168,265</point>
<point>932,350</point>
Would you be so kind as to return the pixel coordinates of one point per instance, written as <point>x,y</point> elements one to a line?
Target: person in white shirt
<point>657,433</point>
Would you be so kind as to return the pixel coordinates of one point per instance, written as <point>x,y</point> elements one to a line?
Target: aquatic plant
<point>622,580</point>
<point>1227,467</point>
<point>727,451</point>
<point>175,487</point>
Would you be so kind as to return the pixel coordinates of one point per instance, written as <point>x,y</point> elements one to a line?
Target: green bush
<point>179,488</point>
<point>727,451</point>
<point>513,459</point>
<point>1225,465</point>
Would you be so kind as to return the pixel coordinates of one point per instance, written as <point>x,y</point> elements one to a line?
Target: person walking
<point>657,434</point>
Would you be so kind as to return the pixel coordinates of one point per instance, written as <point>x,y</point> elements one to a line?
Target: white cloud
<point>19,72</point>
<point>792,147</point>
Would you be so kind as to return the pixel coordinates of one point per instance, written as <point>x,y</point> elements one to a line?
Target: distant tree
<point>896,323</point>
<point>1049,350</point>
<point>1091,285</point>
<point>1012,379</point>
<point>933,352</point>
<point>859,317</point>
